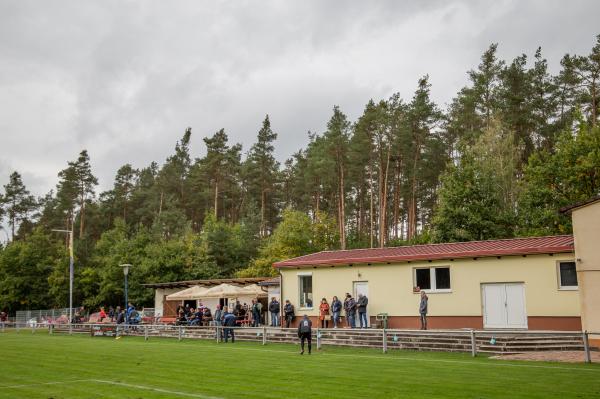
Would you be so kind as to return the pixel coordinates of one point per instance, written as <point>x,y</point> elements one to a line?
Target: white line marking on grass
<point>404,358</point>
<point>136,386</point>
<point>42,383</point>
<point>161,390</point>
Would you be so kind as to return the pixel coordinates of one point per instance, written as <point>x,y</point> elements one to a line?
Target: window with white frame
<point>306,290</point>
<point>432,278</point>
<point>567,275</point>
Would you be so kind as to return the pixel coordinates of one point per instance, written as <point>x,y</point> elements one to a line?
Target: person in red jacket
<point>324,313</point>
<point>102,314</point>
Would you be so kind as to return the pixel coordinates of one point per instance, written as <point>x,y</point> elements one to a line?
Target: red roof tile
<point>471,249</point>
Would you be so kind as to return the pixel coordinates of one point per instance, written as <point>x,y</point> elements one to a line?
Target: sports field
<point>58,366</point>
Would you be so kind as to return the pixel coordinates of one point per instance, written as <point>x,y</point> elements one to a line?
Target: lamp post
<point>71,272</point>
<point>126,267</point>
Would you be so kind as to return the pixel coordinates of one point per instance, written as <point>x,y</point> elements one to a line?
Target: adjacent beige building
<point>586,230</point>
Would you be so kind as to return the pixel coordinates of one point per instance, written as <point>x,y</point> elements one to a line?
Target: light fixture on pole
<point>126,267</point>
<point>71,273</point>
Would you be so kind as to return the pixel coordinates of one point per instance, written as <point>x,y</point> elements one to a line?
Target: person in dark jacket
<point>288,310</point>
<point>229,324</point>
<point>361,306</point>
<point>274,309</point>
<point>350,308</point>
<point>304,333</point>
<point>119,315</point>
<point>336,309</point>
<point>423,310</point>
<point>255,313</point>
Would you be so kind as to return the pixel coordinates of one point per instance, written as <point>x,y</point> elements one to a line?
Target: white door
<point>362,287</point>
<point>504,305</point>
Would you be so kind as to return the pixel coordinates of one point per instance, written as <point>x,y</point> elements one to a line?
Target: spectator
<point>324,315</point>
<point>181,319</point>
<point>423,310</point>
<point>362,303</point>
<point>218,315</point>
<point>255,313</point>
<point>3,319</point>
<point>196,318</point>
<point>102,315</point>
<point>274,309</point>
<point>130,309</point>
<point>304,333</point>
<point>206,316</point>
<point>111,314</point>
<point>336,309</point>
<point>288,310</point>
<point>350,308</point>
<point>229,324</point>
<point>120,315</point>
<point>237,310</point>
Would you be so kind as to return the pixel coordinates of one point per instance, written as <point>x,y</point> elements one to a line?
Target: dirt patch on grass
<point>551,356</point>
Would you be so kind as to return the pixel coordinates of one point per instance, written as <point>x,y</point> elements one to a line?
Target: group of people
<point>332,312</point>
<point>201,316</point>
<point>118,315</point>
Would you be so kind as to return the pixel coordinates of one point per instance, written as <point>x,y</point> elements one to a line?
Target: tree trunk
<point>162,193</point>
<point>342,210</point>
<point>216,199</point>
<point>371,200</point>
<point>383,200</point>
<point>262,212</point>
<point>81,220</point>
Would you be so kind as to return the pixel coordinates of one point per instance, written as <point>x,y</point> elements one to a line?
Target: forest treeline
<point>514,146</point>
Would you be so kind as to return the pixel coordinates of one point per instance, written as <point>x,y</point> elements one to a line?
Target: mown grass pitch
<point>58,366</point>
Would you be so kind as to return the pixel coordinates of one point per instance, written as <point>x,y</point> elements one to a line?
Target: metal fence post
<point>586,347</point>
<point>145,333</point>
<point>318,339</point>
<point>473,344</point>
<point>179,333</point>
<point>384,341</point>
<point>264,337</point>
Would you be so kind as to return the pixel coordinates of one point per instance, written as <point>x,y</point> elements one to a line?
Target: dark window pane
<point>442,278</point>
<point>423,279</point>
<point>568,274</point>
<point>306,297</point>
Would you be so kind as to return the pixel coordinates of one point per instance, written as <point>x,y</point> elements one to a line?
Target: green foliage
<point>553,180</point>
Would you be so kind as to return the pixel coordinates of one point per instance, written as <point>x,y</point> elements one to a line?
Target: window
<point>567,275</point>
<point>433,279</point>
<point>306,291</point>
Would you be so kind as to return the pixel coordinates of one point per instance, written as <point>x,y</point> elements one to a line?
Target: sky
<point>124,79</point>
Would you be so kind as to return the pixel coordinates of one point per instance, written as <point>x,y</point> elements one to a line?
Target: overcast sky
<point>123,79</point>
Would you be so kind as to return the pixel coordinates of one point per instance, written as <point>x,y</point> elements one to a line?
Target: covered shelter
<point>169,295</point>
<point>193,293</point>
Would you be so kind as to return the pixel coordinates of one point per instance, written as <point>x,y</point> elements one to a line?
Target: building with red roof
<point>520,283</point>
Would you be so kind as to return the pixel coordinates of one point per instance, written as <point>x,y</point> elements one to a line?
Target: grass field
<point>57,366</point>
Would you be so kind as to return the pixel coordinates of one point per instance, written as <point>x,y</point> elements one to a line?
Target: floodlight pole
<point>126,267</point>
<point>71,274</point>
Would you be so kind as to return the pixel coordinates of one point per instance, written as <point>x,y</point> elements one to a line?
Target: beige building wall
<point>586,229</point>
<point>391,286</point>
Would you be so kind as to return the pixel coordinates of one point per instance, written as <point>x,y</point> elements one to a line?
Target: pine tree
<point>16,202</point>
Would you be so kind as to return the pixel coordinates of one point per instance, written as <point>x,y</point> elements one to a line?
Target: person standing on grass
<point>336,309</point>
<point>423,310</point>
<point>111,314</point>
<point>229,324</point>
<point>350,308</point>
<point>324,313</point>
<point>274,309</point>
<point>361,306</point>
<point>304,333</point>
<point>288,310</point>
